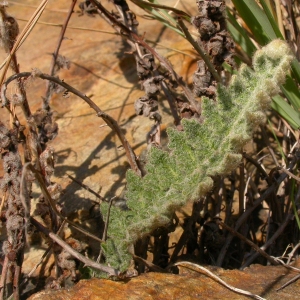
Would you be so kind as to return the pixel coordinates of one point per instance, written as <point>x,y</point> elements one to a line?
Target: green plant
<point>197,153</point>
<point>264,20</point>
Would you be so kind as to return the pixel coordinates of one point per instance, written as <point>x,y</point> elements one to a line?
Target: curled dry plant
<point>13,247</point>
<point>216,42</point>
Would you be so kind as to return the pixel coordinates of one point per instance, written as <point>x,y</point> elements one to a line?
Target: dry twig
<point>211,275</point>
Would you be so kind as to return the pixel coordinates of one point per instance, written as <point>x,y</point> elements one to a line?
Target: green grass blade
<point>240,35</point>
<point>229,68</point>
<point>296,69</point>
<point>154,5</point>
<point>291,92</point>
<point>160,13</point>
<point>158,17</point>
<point>256,20</point>
<point>286,111</point>
<point>271,19</point>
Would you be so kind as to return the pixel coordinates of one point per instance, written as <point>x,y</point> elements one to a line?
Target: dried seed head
<point>36,72</point>
<point>4,141</point>
<point>14,222</point>
<point>9,28</point>
<point>17,99</point>
<point>62,63</point>
<point>12,255</point>
<point>12,162</point>
<point>6,247</point>
<point>65,261</point>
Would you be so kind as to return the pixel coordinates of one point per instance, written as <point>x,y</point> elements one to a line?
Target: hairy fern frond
<point>197,153</point>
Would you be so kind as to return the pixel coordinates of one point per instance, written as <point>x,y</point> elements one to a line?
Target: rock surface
<point>187,285</point>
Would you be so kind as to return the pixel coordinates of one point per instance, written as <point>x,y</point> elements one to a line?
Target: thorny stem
<point>111,122</point>
<point>13,246</point>
<point>25,106</point>
<point>4,276</point>
<point>45,254</point>
<point>22,37</point>
<point>2,202</point>
<point>9,32</point>
<point>17,276</point>
<point>88,262</point>
<point>27,276</point>
<point>53,211</point>
<point>55,54</point>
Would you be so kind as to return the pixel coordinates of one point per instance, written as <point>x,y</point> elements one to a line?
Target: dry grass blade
<point>22,37</point>
<point>71,27</point>
<point>2,203</point>
<point>290,174</point>
<point>88,262</point>
<point>205,271</point>
<point>279,17</point>
<point>289,282</point>
<point>34,6</point>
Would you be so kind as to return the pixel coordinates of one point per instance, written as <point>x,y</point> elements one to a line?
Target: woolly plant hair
<point>197,153</point>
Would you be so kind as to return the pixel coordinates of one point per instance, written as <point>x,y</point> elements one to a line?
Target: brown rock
<point>189,284</point>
